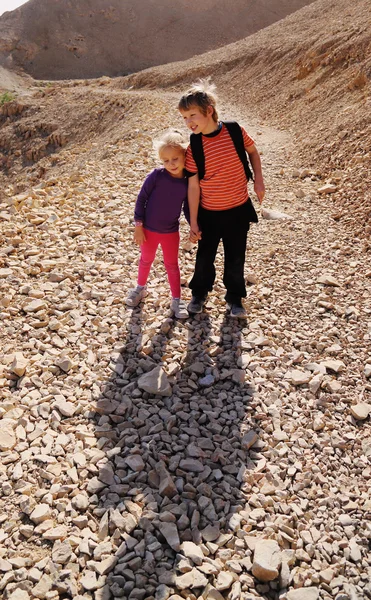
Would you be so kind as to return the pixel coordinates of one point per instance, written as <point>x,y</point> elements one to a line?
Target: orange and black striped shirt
<point>224,185</point>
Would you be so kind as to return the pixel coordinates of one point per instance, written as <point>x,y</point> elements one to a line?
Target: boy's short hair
<point>201,94</point>
<point>170,139</point>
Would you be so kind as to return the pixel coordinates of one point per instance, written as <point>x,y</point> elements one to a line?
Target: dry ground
<point>111,491</point>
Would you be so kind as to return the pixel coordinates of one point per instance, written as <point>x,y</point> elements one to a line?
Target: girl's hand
<point>139,235</point>
<point>195,234</point>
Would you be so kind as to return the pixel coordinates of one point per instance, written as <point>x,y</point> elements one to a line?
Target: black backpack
<point>235,132</point>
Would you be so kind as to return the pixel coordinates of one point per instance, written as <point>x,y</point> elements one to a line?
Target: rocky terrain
<point>60,39</point>
<point>147,458</point>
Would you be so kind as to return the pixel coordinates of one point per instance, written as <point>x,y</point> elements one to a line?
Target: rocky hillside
<point>60,39</point>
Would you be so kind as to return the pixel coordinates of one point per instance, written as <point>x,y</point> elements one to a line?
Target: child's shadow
<point>171,466</point>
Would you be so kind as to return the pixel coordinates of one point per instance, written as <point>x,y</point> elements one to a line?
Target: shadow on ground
<point>174,468</point>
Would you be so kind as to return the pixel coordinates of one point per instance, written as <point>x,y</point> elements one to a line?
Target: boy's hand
<point>139,236</point>
<point>195,234</point>
<point>259,189</point>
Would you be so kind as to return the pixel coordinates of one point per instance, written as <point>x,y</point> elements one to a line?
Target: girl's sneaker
<point>135,296</point>
<point>178,307</point>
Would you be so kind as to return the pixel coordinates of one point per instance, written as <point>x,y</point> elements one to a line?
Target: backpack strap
<point>235,132</point>
<point>198,153</point>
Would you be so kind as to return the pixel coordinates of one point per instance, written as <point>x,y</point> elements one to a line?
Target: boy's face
<point>173,160</point>
<point>197,122</point>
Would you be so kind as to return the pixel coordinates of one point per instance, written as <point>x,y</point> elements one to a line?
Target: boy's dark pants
<point>230,226</point>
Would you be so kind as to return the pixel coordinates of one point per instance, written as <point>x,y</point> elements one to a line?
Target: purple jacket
<point>160,202</point>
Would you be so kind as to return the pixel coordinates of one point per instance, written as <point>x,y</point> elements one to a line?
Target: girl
<point>156,216</point>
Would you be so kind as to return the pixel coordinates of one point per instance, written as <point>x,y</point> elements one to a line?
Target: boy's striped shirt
<point>224,185</point>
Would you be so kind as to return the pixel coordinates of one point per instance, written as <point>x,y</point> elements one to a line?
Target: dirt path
<point>114,487</point>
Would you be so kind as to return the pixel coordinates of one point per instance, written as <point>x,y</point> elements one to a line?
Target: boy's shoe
<point>196,304</point>
<point>237,311</point>
<point>178,307</point>
<point>135,296</point>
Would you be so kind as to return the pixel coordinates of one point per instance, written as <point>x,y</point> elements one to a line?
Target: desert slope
<point>60,39</point>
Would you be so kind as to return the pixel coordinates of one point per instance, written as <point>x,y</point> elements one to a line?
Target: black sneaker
<point>196,304</point>
<point>237,311</point>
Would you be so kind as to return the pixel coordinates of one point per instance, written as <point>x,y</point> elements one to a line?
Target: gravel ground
<point>143,457</point>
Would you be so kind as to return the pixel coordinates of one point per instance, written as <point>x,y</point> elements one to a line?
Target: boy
<point>220,207</point>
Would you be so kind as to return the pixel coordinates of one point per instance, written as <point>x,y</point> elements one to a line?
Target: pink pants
<point>170,247</point>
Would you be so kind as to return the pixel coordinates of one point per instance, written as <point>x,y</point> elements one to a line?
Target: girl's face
<point>173,160</point>
<point>197,122</point>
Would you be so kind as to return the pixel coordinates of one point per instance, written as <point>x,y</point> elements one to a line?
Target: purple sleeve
<point>144,194</point>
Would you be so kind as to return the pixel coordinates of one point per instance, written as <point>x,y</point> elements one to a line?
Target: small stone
<point>167,486</point>
<point>41,513</point>
<point>61,553</point>
<point>34,306</point>
<point>19,364</point>
<point>333,365</point>
<point>360,411</point>
<point>41,589</point>
<point>7,436</point>
<point>155,382</point>
<point>274,215</point>
<point>67,409</point>
<point>135,462</point>
<point>249,439</point>
<point>304,593</point>
<point>328,188</point>
<point>193,579</point>
<point>327,575</point>
<point>224,580</point>
<point>191,464</point>
<point>19,595</point>
<point>89,581</point>
<point>267,560</point>
<point>207,380</point>
<point>297,377</point>
<point>327,279</point>
<point>192,551</point>
<point>170,533</point>
<point>64,363</point>
<point>4,273</point>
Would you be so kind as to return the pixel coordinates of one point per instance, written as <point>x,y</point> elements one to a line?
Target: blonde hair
<point>201,94</point>
<point>170,139</point>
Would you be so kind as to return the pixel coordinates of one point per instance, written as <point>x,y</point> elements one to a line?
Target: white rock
<point>267,560</point>
<point>297,377</point>
<point>307,593</point>
<point>327,279</point>
<point>333,365</point>
<point>19,364</point>
<point>192,551</point>
<point>7,436</point>
<point>193,579</point>
<point>41,513</point>
<point>328,188</point>
<point>274,215</point>
<point>360,411</point>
